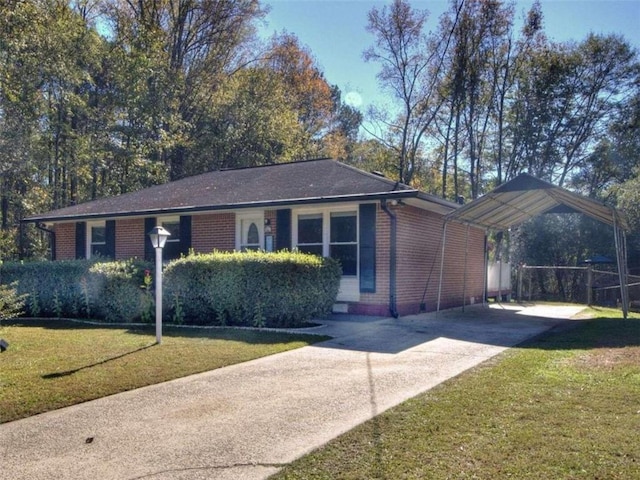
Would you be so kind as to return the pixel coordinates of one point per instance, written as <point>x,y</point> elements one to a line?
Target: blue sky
<point>334,31</point>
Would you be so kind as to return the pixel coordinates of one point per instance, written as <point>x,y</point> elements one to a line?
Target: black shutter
<point>185,234</point>
<point>110,238</point>
<point>149,224</point>
<point>368,248</point>
<point>283,229</point>
<point>81,240</point>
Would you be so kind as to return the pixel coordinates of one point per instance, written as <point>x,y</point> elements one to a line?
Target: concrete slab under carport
<point>248,420</point>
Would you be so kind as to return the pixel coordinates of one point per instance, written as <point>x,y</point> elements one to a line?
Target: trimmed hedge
<point>82,288</point>
<point>282,289</point>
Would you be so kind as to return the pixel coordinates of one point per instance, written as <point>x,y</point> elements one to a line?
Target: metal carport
<point>524,197</point>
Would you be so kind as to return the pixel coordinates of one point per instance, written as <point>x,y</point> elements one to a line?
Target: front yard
<point>563,406</point>
<point>52,364</point>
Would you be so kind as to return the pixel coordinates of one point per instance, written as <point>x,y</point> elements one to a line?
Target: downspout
<point>392,257</point>
<point>52,238</point>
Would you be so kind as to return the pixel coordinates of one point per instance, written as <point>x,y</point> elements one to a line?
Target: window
<point>98,240</point>
<point>331,234</point>
<point>172,249</point>
<point>310,238</point>
<point>344,241</point>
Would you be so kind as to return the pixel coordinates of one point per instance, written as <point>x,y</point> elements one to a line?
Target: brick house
<point>387,235</point>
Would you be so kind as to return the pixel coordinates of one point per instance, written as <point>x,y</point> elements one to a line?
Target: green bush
<point>80,288</point>
<point>280,289</point>
<point>11,303</point>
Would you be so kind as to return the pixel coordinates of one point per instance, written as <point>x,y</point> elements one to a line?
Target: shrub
<point>11,303</point>
<point>281,289</point>
<point>116,289</point>
<point>80,288</point>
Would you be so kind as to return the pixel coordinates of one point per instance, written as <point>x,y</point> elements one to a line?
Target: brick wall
<point>65,241</point>
<point>216,231</point>
<point>418,264</point>
<point>458,278</point>
<point>419,256</point>
<point>130,238</point>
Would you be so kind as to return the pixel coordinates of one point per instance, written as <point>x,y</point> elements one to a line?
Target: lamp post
<point>158,238</point>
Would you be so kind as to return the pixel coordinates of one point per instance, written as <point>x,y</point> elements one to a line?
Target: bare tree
<point>411,67</point>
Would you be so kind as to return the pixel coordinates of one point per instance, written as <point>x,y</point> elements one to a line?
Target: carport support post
<point>444,241</point>
<point>621,252</point>
<point>589,285</point>
<point>464,282</point>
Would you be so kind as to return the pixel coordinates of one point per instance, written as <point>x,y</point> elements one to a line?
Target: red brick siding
<point>65,241</point>
<point>419,255</point>
<point>216,231</point>
<point>418,264</point>
<point>453,281</point>
<point>130,238</point>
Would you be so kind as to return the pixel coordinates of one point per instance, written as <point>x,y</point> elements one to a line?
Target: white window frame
<point>349,285</point>
<point>257,216</point>
<point>326,227</point>
<point>89,234</point>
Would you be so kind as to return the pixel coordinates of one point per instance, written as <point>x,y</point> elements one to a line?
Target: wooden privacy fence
<point>574,284</point>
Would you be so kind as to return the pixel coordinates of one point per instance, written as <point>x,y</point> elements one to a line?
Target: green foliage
<point>148,300</point>
<point>252,288</point>
<point>178,314</point>
<point>57,304</point>
<point>114,290</point>
<point>8,248</point>
<point>11,303</point>
<point>81,288</point>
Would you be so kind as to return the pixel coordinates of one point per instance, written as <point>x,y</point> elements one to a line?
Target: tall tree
<point>190,46</point>
<point>565,99</point>
<point>306,88</point>
<point>410,69</point>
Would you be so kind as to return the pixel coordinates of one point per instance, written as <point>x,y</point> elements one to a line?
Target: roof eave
<point>229,206</point>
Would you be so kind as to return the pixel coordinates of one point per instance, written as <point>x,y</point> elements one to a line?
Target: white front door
<point>250,232</point>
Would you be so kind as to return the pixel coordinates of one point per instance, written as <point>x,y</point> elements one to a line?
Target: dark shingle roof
<point>313,181</point>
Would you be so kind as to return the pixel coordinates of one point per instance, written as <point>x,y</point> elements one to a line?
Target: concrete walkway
<point>248,420</point>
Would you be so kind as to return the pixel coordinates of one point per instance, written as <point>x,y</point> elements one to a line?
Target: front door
<point>251,233</point>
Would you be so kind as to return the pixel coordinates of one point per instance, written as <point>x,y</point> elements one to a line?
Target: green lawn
<point>52,364</point>
<point>563,406</point>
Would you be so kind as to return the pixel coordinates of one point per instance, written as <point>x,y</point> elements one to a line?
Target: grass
<point>565,405</point>
<point>52,364</point>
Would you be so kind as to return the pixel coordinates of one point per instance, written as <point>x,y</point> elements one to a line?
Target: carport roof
<point>524,197</point>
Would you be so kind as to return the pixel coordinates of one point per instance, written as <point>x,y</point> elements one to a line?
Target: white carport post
<point>464,280</point>
<point>621,254</point>
<point>444,241</point>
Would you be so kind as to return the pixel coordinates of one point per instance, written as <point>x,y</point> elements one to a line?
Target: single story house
<point>387,236</point>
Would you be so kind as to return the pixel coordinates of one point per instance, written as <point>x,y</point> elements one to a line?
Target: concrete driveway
<point>248,420</point>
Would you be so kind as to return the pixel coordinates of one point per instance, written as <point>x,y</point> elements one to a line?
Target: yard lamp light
<point>158,238</point>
